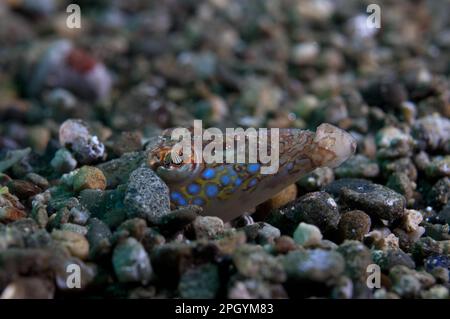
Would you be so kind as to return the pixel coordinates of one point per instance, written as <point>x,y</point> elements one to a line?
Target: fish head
<point>172,163</point>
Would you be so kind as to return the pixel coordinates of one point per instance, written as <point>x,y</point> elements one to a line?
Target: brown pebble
<point>4,179</point>
<point>23,189</point>
<point>89,177</point>
<point>76,244</point>
<point>354,225</point>
<point>127,142</point>
<point>11,214</point>
<point>38,138</point>
<point>284,244</point>
<point>282,198</point>
<point>29,288</point>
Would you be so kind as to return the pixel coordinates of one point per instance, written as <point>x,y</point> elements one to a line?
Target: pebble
<point>29,288</point>
<point>401,183</point>
<point>387,92</point>
<point>10,207</point>
<point>126,142</point>
<point>284,244</point>
<point>315,265</point>
<point>343,288</point>
<point>284,197</point>
<point>403,165</point>
<point>358,166</point>
<point>436,292</point>
<point>11,238</point>
<point>441,274</point>
<point>432,132</point>
<point>317,208</point>
<point>374,199</point>
<point>307,235</point>
<point>118,170</point>
<point>305,53</point>
<point>79,215</point>
<point>134,227</point>
<point>407,286</point>
<point>152,239</point>
<point>317,179</point>
<point>383,294</point>
<point>89,177</point>
<point>208,227</point>
<point>230,241</point>
<point>99,237</point>
<point>439,194</point>
<point>39,239</point>
<point>59,64</point>
<point>438,167</point>
<point>39,213</point>
<point>74,228</point>
<point>253,262</point>
<point>38,138</point>
<point>106,205</point>
<point>444,214</point>
<point>256,289</point>
<point>147,196</point>
<point>425,279</point>
<point>425,247</point>
<point>12,157</point>
<point>436,261</point>
<point>38,180</point>
<point>131,262</point>
<point>357,258</point>
<point>354,225</point>
<point>23,189</point>
<point>74,134</point>
<point>412,220</point>
<point>180,219</point>
<point>75,243</point>
<point>394,257</point>
<point>393,143</point>
<point>63,161</point>
<point>201,282</point>
<point>267,234</point>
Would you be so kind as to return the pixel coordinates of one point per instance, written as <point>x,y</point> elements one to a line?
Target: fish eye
<point>173,159</point>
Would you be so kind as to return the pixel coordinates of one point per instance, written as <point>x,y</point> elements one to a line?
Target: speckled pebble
<point>354,225</point>
<point>147,196</point>
<point>201,282</point>
<point>208,227</point>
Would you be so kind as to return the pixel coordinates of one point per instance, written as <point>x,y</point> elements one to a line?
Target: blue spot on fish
<point>211,190</point>
<point>208,173</point>
<point>225,180</point>
<point>253,168</point>
<point>178,198</point>
<point>253,182</point>
<point>193,188</point>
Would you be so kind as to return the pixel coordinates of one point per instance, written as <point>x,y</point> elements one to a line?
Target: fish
<point>228,190</point>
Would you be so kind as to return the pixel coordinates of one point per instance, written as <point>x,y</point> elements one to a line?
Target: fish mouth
<point>334,142</point>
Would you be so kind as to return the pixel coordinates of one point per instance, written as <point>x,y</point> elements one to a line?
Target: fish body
<point>227,190</point>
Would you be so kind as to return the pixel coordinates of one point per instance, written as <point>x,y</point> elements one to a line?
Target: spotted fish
<point>227,190</point>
